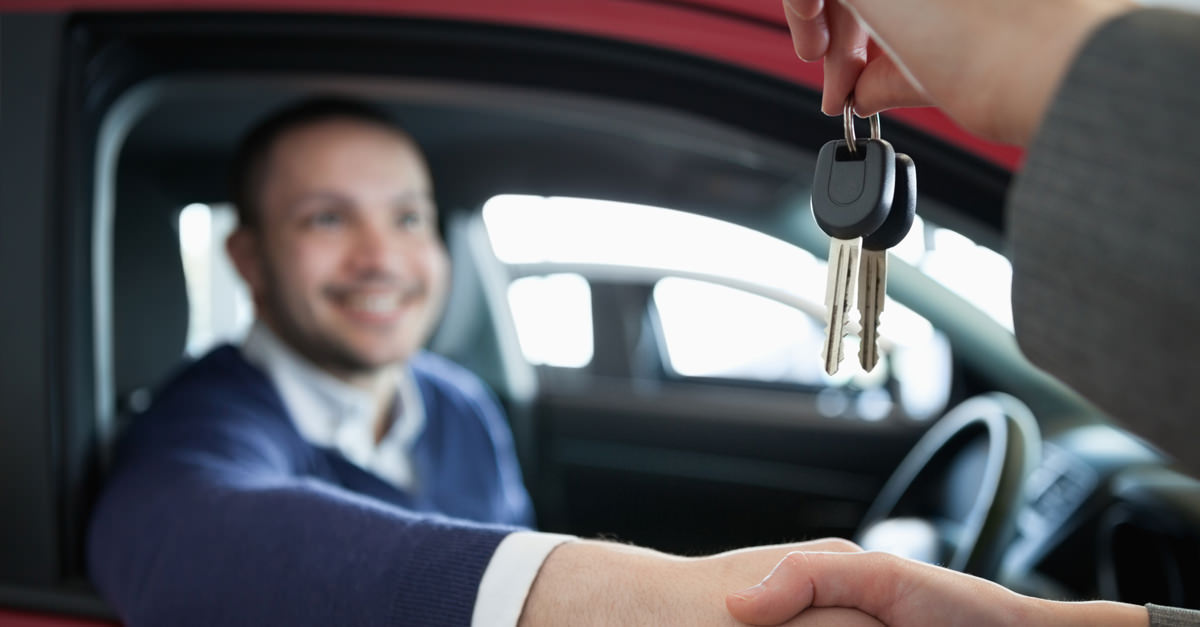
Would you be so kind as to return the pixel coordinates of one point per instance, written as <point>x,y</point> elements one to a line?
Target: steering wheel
<point>955,497</point>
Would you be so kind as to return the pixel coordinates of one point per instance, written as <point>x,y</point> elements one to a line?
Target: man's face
<point>347,266</point>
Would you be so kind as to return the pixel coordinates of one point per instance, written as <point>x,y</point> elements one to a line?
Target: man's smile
<point>375,306</point>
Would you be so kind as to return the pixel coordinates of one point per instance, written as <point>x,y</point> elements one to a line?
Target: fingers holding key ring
<point>848,123</point>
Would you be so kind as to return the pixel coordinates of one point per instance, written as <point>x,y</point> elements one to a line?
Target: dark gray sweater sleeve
<point>1161,616</point>
<point>1105,229</point>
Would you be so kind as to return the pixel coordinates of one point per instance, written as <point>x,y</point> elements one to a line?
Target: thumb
<point>784,593</point>
<point>883,84</point>
<point>802,580</point>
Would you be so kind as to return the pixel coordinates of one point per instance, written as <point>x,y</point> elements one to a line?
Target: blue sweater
<point>218,512</point>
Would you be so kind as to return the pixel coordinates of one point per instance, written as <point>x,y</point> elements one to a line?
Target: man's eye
<point>324,219</point>
<point>410,219</point>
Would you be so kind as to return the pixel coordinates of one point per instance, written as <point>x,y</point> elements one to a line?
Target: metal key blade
<point>872,281</point>
<point>872,291</point>
<point>840,292</point>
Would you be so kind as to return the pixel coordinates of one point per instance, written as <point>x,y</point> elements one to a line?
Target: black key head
<point>852,194</point>
<point>904,208</point>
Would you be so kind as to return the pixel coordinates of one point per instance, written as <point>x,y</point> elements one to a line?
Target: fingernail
<point>750,593</point>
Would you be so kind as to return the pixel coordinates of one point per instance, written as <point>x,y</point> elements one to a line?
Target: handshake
<point>822,582</point>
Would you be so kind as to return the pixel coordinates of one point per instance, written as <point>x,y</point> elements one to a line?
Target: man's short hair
<point>250,160</point>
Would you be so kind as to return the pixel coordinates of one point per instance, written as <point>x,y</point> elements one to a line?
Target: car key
<point>872,278</point>
<point>852,193</point>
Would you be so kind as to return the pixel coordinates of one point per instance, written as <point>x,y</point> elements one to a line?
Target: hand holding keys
<point>864,198</point>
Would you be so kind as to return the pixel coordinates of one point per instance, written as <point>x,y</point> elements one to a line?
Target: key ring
<point>848,123</point>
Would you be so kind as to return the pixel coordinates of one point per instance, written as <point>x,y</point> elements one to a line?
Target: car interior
<point>630,199</point>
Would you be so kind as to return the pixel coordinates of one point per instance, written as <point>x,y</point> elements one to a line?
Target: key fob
<point>852,194</point>
<point>904,208</point>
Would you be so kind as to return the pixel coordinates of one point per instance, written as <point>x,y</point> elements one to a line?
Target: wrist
<point>600,583</point>
<point>1063,31</point>
<point>1082,614</point>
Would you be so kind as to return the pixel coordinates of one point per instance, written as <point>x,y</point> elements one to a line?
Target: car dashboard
<point>1105,518</point>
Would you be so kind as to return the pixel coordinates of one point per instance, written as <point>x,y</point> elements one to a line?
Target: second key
<point>873,265</point>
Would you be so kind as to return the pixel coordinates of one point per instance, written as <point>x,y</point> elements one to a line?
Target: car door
<point>46,441</point>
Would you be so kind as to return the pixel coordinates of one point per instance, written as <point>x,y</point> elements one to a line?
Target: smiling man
<point>338,240</point>
<point>328,438</point>
<point>338,243</point>
<point>330,472</point>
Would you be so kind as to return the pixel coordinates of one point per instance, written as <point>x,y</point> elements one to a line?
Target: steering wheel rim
<point>1013,451</point>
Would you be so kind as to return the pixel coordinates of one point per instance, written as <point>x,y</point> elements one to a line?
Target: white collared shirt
<point>334,414</point>
<point>331,413</point>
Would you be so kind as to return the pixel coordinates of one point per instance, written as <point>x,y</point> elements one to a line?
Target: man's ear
<point>245,251</point>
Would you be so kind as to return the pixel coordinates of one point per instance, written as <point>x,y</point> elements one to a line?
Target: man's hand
<point>991,65</point>
<point>903,593</point>
<point>600,583</point>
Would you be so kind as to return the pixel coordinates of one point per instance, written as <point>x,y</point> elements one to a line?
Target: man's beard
<point>321,347</point>
<point>324,350</point>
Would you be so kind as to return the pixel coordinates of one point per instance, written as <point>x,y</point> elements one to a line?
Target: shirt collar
<point>331,413</point>
<point>318,402</point>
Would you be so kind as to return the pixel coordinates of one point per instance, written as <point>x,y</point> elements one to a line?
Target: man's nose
<point>375,248</point>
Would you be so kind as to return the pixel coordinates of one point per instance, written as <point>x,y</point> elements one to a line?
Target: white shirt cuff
<point>509,576</point>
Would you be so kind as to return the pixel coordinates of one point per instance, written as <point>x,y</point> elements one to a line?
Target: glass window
<point>711,330</point>
<point>553,317</point>
<point>980,275</point>
<point>534,229</point>
<point>219,305</point>
<point>728,302</point>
